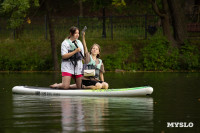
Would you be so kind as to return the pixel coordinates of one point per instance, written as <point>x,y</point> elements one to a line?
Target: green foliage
<point>158,55</point>
<point>189,57</point>
<point>25,55</point>
<point>155,54</point>
<point>18,10</point>
<point>118,59</point>
<point>99,4</point>
<point>26,64</point>
<point>118,3</point>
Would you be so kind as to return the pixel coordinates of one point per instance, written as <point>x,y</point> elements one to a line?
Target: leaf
<point>18,10</point>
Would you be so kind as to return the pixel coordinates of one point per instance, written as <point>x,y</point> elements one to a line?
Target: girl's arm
<point>68,55</point>
<point>84,44</point>
<point>101,76</point>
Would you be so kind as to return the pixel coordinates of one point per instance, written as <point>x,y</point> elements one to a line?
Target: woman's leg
<point>73,86</point>
<point>65,83</point>
<point>105,85</point>
<point>97,86</point>
<point>53,85</point>
<point>78,82</point>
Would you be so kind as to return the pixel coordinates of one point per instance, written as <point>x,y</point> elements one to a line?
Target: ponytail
<point>72,31</point>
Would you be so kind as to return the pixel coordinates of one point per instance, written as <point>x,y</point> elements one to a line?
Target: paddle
<point>77,47</point>
<point>84,29</point>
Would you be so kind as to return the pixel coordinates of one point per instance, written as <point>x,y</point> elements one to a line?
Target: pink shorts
<point>71,75</point>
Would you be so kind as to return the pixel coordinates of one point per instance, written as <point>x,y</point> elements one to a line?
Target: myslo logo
<point>180,124</point>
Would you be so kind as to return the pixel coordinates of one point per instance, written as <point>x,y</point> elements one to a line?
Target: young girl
<point>71,66</point>
<point>93,61</point>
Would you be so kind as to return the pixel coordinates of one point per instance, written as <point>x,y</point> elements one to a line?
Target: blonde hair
<point>95,44</point>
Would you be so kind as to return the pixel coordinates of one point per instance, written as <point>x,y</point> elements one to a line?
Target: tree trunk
<point>166,30</point>
<point>165,20</point>
<point>178,21</point>
<point>81,8</point>
<point>53,44</point>
<point>52,35</point>
<point>104,24</point>
<point>166,25</point>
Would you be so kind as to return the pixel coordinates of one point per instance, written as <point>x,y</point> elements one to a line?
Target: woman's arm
<point>68,55</point>
<point>101,76</point>
<point>84,44</point>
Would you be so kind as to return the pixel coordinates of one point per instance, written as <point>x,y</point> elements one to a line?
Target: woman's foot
<point>54,85</point>
<point>105,85</point>
<point>84,87</point>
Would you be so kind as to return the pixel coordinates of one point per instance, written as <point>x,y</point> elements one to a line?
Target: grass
<point>31,52</point>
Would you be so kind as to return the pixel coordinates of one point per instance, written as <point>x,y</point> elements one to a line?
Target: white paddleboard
<point>122,92</point>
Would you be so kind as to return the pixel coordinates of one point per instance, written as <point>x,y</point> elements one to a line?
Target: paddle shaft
<point>77,47</point>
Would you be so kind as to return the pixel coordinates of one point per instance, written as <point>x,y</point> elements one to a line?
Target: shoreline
<point>121,71</point>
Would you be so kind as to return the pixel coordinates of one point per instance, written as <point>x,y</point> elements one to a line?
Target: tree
<point>178,20</point>
<point>164,15</point>
<point>170,12</point>
<point>172,16</point>
<point>80,3</point>
<point>49,12</point>
<point>18,11</point>
<point>102,4</point>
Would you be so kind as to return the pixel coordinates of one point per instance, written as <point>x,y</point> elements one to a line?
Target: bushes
<point>26,64</point>
<point>117,59</point>
<point>155,54</point>
<point>158,55</point>
<point>25,55</point>
<point>189,57</point>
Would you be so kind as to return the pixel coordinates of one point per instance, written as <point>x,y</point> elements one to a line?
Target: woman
<point>71,66</point>
<point>93,61</point>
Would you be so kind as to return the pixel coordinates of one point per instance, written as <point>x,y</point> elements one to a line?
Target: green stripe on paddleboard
<point>121,89</point>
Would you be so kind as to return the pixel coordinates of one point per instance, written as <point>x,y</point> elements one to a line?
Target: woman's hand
<point>84,43</point>
<point>83,33</point>
<point>77,50</point>
<point>68,55</point>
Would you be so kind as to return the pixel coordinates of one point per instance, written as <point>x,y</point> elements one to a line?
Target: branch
<point>155,8</point>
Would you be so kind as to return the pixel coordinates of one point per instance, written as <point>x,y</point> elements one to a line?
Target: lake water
<point>176,98</point>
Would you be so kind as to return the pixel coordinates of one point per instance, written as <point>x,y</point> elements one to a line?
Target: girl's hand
<point>83,33</point>
<point>78,50</point>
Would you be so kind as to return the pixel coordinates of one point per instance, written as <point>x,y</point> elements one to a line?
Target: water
<point>176,98</point>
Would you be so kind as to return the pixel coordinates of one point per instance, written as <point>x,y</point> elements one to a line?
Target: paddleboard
<point>121,92</point>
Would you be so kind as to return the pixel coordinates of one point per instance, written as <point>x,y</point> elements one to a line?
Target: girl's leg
<point>105,85</point>
<point>97,86</point>
<point>53,85</point>
<point>73,86</point>
<point>78,82</point>
<point>65,83</point>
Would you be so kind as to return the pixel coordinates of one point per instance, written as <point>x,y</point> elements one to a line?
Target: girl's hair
<point>98,55</point>
<point>72,31</point>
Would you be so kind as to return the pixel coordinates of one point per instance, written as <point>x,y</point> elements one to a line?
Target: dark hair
<point>72,31</point>
<point>98,55</point>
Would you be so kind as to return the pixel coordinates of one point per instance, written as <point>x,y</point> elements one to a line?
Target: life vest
<point>92,65</point>
<point>76,56</point>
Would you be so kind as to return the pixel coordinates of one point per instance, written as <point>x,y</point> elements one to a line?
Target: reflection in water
<point>83,113</point>
<point>34,114</point>
<point>72,115</point>
<point>175,97</point>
